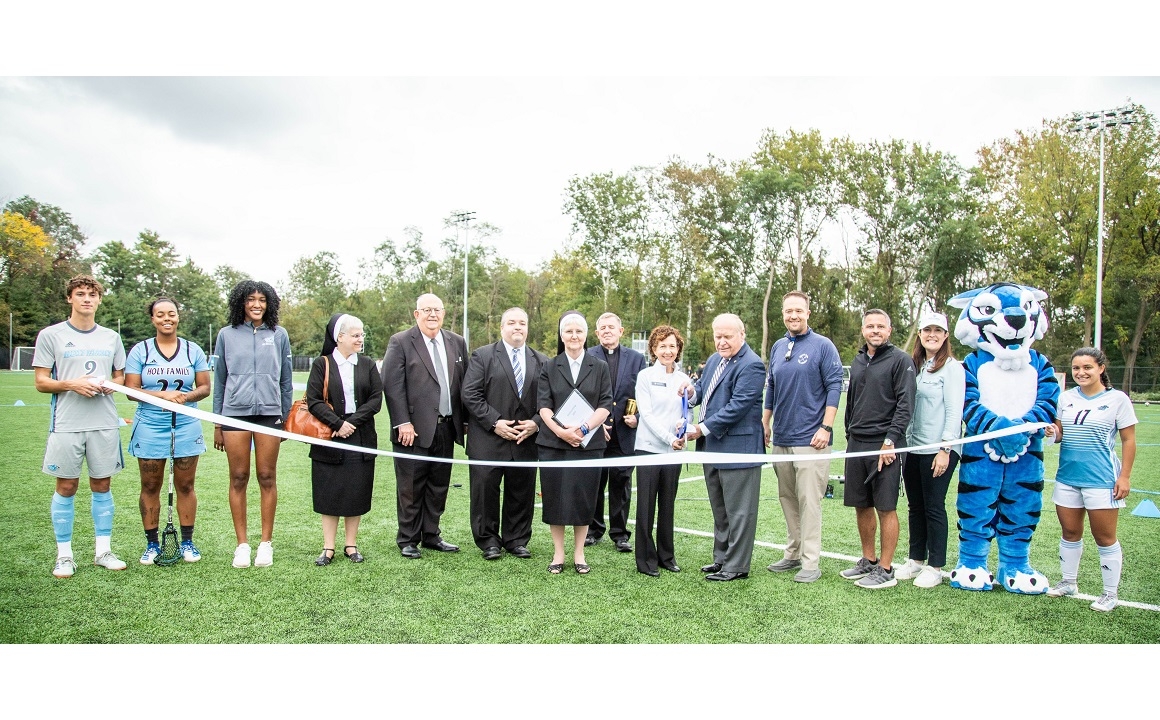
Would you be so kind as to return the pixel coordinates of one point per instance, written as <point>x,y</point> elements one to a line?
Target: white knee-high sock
<point>1069,555</point>
<point>1111,563</point>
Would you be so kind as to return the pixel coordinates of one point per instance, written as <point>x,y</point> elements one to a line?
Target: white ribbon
<point>673,458</point>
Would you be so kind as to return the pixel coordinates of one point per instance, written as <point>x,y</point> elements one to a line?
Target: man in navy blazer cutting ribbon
<point>729,395</point>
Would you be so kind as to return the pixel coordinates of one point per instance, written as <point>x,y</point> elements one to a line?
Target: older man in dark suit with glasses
<point>422,381</point>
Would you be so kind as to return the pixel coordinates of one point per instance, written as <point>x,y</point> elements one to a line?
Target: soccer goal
<point>22,358</point>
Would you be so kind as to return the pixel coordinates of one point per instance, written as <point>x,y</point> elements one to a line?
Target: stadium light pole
<point>1101,121</point>
<point>465,218</point>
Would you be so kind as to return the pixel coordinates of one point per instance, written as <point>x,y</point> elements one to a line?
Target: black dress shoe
<point>725,576</point>
<point>650,573</point>
<point>521,552</point>
<point>712,568</point>
<point>324,559</point>
<point>410,551</point>
<point>591,540</point>
<point>623,546</point>
<point>492,553</point>
<point>356,556</point>
<point>671,567</point>
<point>441,546</point>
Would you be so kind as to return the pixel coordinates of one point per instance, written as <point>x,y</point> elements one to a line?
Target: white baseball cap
<point>933,318</point>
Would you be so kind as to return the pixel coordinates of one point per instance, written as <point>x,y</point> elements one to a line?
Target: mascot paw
<point>965,578</point>
<point>1007,449</point>
<point>1023,580</point>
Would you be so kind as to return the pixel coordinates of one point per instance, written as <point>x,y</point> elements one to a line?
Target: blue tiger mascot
<point>1001,480</point>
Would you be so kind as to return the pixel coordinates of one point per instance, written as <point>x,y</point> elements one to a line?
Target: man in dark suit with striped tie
<point>729,393</point>
<point>499,394</point>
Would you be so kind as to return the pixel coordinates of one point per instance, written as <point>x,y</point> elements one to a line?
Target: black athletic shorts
<point>866,486</point>
<point>271,421</point>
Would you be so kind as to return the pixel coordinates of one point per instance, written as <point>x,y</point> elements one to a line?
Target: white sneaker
<point>1063,588</point>
<point>64,568</point>
<point>109,561</point>
<point>242,556</point>
<point>1105,602</point>
<point>928,578</point>
<point>265,556</point>
<point>909,571</point>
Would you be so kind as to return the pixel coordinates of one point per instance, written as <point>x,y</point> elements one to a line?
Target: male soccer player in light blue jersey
<point>70,361</point>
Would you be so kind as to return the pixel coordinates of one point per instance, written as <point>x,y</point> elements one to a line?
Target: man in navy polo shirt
<point>802,389</point>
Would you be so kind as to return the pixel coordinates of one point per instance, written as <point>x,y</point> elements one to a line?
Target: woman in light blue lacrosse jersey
<point>173,369</point>
<point>1091,478</point>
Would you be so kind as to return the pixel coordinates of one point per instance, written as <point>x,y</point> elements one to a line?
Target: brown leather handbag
<point>303,422</point>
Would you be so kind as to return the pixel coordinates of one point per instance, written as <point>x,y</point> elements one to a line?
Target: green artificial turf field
<point>460,598</point>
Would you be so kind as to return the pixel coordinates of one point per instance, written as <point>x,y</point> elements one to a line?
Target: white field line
<point>854,559</point>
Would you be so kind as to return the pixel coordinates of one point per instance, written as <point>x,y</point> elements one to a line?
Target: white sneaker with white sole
<point>909,571</point>
<point>64,568</point>
<point>242,556</point>
<point>109,561</point>
<point>1063,588</point>
<point>265,555</point>
<point>928,578</point>
<point>1106,602</point>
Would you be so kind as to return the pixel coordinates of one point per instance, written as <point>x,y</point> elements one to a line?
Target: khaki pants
<point>800,487</point>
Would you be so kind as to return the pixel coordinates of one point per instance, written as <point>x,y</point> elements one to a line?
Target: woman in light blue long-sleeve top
<point>938,418</point>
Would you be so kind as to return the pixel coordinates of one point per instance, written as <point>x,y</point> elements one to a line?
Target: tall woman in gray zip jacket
<point>252,382</point>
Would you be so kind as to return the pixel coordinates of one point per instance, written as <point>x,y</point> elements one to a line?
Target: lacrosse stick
<point>170,546</point>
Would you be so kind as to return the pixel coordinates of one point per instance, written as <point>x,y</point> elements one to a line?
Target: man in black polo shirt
<point>879,404</point>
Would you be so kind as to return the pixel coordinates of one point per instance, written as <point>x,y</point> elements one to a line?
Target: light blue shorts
<point>151,442</point>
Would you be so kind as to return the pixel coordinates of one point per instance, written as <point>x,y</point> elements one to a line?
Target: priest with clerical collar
<point>623,365</point>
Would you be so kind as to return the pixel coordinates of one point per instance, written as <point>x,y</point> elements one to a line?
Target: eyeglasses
<point>789,351</point>
<point>430,311</point>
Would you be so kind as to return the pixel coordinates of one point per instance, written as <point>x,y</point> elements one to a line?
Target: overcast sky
<point>258,172</point>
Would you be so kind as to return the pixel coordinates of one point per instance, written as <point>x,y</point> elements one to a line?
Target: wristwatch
<point>945,448</point>
<point>828,428</point>
<point>888,441</point>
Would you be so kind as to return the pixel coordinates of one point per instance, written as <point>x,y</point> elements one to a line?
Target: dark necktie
<point>519,371</point>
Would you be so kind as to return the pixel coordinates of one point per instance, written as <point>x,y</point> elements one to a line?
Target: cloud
<point>257,173</point>
<point>217,111</point>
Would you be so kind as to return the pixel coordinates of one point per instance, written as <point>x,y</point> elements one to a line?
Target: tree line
<point>886,223</point>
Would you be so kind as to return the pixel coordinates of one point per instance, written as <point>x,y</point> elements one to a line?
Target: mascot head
<point>1003,319</point>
